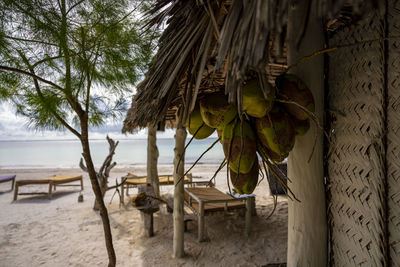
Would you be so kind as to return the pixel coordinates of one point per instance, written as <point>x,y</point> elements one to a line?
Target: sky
<point>13,127</point>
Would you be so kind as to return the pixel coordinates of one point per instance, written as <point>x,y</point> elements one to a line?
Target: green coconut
<point>194,122</point>
<point>276,131</point>
<point>215,110</point>
<point>292,88</point>
<point>245,183</point>
<point>254,102</point>
<point>232,137</point>
<point>301,127</point>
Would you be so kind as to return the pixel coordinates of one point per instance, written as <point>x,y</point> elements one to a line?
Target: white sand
<point>36,231</point>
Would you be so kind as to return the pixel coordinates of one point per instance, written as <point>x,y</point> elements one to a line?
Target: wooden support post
<point>179,224</point>
<point>12,184</point>
<point>50,190</point>
<point>16,191</point>
<point>148,223</point>
<point>201,222</point>
<point>307,223</point>
<point>248,215</point>
<point>147,206</point>
<point>152,158</point>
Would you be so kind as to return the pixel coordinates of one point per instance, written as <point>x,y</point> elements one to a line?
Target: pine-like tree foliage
<point>69,63</point>
<point>92,50</point>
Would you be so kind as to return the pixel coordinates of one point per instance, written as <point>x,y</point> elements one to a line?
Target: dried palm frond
<point>211,44</point>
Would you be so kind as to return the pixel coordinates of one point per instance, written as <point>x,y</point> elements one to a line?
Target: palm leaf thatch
<point>211,46</point>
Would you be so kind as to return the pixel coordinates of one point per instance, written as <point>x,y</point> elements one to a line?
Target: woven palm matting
<point>356,158</point>
<point>393,132</point>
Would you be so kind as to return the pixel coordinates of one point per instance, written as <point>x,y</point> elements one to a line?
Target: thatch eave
<point>233,36</point>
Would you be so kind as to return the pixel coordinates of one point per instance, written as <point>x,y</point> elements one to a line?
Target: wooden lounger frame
<point>53,182</point>
<point>133,181</point>
<point>8,179</point>
<point>205,200</point>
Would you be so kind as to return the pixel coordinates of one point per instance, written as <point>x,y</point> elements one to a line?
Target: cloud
<point>13,127</point>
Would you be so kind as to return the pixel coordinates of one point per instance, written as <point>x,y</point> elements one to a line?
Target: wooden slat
<point>213,207</point>
<point>32,181</point>
<point>163,179</point>
<point>210,194</point>
<point>64,178</point>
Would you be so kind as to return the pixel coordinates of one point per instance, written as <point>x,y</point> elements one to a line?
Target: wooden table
<point>148,206</point>
<point>205,200</point>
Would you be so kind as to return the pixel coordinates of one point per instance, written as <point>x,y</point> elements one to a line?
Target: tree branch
<point>72,101</point>
<point>75,5</point>
<point>39,92</point>
<point>2,67</point>
<point>82,165</point>
<point>29,40</point>
<point>45,59</point>
<point>105,168</point>
<point>108,169</point>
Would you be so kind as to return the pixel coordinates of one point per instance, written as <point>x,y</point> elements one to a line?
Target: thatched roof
<point>211,46</point>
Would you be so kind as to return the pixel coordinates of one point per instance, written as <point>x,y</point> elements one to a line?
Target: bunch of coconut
<point>273,117</point>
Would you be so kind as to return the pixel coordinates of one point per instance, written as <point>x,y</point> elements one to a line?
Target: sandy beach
<point>36,231</point>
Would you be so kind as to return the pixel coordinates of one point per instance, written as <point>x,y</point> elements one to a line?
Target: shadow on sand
<point>226,241</point>
<point>43,198</point>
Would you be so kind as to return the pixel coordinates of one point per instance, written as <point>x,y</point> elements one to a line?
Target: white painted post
<point>307,225</point>
<point>179,225</point>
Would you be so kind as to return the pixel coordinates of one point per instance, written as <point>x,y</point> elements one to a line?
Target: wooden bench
<point>53,182</point>
<point>205,200</point>
<point>4,179</point>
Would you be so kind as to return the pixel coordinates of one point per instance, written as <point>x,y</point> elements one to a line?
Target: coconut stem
<point>275,197</point>
<point>194,164</point>
<point>314,119</point>
<point>281,181</point>
<point>223,163</point>
<point>191,139</point>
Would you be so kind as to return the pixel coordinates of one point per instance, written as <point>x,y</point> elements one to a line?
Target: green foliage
<point>93,52</point>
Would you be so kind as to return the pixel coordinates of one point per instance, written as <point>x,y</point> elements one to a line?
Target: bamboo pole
<point>152,158</point>
<point>307,223</point>
<point>179,226</point>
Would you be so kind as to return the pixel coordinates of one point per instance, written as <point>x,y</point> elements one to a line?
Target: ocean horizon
<point>15,154</point>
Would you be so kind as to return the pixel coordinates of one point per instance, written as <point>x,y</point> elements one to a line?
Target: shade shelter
<point>348,188</point>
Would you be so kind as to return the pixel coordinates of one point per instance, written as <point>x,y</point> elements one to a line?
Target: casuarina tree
<point>68,64</point>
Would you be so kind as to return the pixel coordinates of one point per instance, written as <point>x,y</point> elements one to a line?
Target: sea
<point>129,152</point>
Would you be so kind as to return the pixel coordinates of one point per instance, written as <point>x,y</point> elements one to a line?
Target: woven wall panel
<point>393,137</point>
<point>356,152</point>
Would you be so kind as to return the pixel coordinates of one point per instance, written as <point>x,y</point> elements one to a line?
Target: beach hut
<point>349,187</point>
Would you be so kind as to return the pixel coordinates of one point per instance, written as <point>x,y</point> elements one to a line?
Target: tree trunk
<point>307,225</point>
<point>103,192</point>
<point>179,227</point>
<point>98,194</point>
<point>152,158</point>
